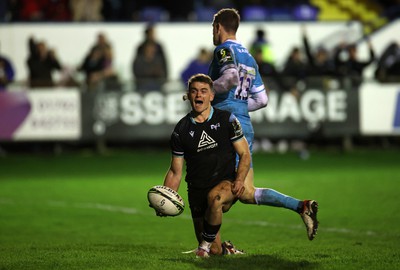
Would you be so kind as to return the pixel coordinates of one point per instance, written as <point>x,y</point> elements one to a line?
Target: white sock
<point>205,245</point>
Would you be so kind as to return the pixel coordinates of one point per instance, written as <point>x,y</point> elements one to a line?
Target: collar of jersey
<point>233,41</point>
<point>209,117</point>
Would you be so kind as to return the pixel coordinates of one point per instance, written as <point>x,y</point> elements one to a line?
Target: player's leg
<point>249,189</point>
<point>265,196</point>
<point>220,199</point>
<point>248,194</point>
<point>198,228</point>
<point>198,202</point>
<point>216,246</point>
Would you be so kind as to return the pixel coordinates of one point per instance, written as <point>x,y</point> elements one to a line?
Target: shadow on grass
<point>150,256</point>
<point>249,262</point>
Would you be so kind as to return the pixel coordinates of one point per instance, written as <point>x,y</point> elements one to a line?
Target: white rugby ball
<point>166,200</point>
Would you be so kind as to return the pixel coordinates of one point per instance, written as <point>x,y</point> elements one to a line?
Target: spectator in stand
<point>149,67</point>
<point>268,72</point>
<point>262,43</point>
<point>198,65</point>
<point>102,42</point>
<point>42,62</point>
<point>295,65</point>
<point>294,71</point>
<point>150,37</point>
<point>347,62</point>
<point>388,68</point>
<point>87,10</point>
<point>98,63</point>
<point>6,72</point>
<point>93,67</point>
<point>320,63</point>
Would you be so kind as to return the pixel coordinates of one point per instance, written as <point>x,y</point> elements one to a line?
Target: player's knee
<point>220,194</point>
<point>218,200</point>
<point>215,199</point>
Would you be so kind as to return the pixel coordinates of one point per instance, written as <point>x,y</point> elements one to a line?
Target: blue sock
<point>266,196</point>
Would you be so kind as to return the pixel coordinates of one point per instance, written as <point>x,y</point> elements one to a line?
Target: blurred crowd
<point>149,67</point>
<point>121,10</point>
<point>157,10</point>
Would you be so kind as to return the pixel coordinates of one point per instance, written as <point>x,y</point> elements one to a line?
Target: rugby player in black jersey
<point>207,140</point>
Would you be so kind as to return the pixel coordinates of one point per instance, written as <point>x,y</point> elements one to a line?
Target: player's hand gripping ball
<point>165,201</point>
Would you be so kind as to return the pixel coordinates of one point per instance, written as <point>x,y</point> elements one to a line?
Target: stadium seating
<point>154,14</point>
<point>281,14</point>
<point>255,13</point>
<point>368,12</point>
<point>304,12</point>
<point>204,14</point>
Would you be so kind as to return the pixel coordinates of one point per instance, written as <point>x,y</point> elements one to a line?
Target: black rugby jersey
<point>207,147</point>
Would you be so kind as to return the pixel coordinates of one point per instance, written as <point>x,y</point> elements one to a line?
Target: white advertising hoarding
<point>54,115</point>
<point>380,109</point>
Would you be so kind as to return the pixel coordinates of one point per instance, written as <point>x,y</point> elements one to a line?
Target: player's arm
<point>228,71</point>
<point>257,101</point>
<point>242,149</point>
<point>172,178</point>
<point>228,79</point>
<point>174,173</point>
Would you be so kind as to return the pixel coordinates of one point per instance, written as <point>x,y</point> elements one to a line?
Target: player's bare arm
<point>257,101</point>
<point>228,79</point>
<point>242,149</point>
<point>174,174</point>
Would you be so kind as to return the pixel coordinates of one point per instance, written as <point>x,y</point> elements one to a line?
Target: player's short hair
<point>200,77</point>
<point>229,18</point>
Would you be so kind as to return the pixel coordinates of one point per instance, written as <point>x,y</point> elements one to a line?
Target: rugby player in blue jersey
<point>240,90</point>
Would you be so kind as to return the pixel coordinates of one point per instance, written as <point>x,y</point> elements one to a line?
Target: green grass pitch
<point>86,211</point>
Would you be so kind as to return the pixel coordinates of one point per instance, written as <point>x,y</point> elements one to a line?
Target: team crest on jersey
<point>217,125</point>
<point>206,142</point>
<point>224,55</point>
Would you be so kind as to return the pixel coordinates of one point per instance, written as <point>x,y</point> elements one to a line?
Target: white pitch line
<point>133,211</point>
<point>301,227</point>
<point>110,208</point>
<point>99,206</point>
<point>127,210</point>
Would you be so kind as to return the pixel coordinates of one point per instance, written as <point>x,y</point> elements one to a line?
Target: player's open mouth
<point>198,102</point>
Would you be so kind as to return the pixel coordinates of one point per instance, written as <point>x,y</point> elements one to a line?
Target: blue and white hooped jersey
<point>230,54</point>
